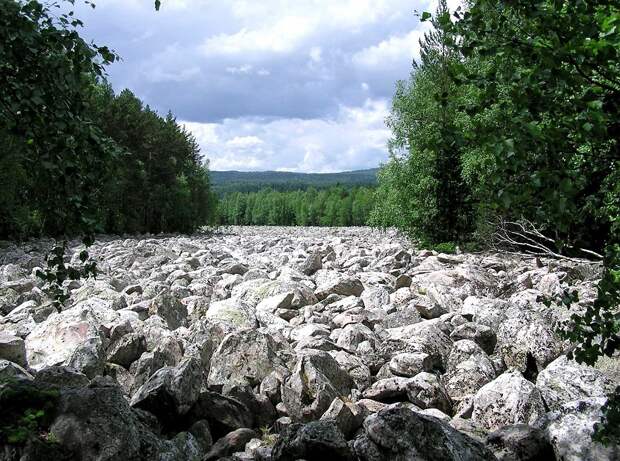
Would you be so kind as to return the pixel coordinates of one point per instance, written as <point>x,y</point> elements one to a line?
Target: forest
<point>335,206</point>
<point>76,158</point>
<point>224,182</point>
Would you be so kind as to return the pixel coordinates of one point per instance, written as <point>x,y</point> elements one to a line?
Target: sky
<point>289,85</point>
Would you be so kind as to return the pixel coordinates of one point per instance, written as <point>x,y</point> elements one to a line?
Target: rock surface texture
<point>296,343</point>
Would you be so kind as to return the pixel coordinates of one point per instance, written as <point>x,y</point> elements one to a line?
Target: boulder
<point>399,434</point>
<point>334,283</point>
<point>126,350</point>
<point>171,391</point>
<point>519,442</point>
<point>482,335</point>
<point>72,337</point>
<point>233,312</point>
<point>170,309</point>
<point>348,416</point>
<point>97,423</point>
<point>312,263</point>
<point>232,442</point>
<point>569,429</point>
<point>245,357</point>
<point>409,364</point>
<point>509,399</point>
<point>565,380</point>
<point>315,441</point>
<point>426,391</point>
<point>315,382</point>
<point>12,349</point>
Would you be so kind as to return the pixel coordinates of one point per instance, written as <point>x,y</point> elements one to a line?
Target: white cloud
<point>396,49</point>
<point>281,37</point>
<point>355,138</point>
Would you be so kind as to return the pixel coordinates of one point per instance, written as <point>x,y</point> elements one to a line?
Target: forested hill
<point>252,181</point>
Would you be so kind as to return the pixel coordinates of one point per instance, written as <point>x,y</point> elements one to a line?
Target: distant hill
<point>252,181</point>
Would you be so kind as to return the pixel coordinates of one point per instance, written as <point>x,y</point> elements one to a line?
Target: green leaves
<point>157,5</point>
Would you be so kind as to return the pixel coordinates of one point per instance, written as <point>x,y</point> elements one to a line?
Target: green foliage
<point>422,183</point>
<point>27,411</point>
<point>225,182</point>
<point>336,206</point>
<point>445,247</point>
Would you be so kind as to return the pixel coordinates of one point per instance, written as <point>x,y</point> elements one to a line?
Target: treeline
<point>507,132</point>
<point>336,206</point>
<point>225,182</point>
<point>77,159</point>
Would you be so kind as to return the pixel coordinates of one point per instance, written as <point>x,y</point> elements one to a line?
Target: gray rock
<point>97,423</point>
<point>335,284</point>
<point>312,264</point>
<point>426,391</point>
<point>230,443</point>
<point>399,434</point>
<point>244,357</point>
<point>569,429</point>
<point>315,441</point>
<point>482,335</point>
<point>315,382</point>
<point>509,399</point>
<point>170,309</point>
<point>409,364</point>
<point>224,414</point>
<point>519,442</point>
<point>126,350</point>
<point>565,380</point>
<point>171,391</point>
<point>388,390</point>
<point>12,349</point>
<point>347,415</point>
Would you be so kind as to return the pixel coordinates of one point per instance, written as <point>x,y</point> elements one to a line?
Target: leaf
<point>425,16</point>
<point>157,5</point>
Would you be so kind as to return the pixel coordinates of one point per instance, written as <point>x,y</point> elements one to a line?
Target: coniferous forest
<point>335,206</point>
<point>76,158</point>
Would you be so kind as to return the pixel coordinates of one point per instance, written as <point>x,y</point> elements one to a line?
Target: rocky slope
<point>303,343</point>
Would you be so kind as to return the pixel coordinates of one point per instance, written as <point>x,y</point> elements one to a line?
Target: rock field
<point>301,343</point>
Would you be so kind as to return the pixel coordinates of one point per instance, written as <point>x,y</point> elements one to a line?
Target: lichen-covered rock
<point>315,441</point>
<point>315,382</point>
<point>245,358</point>
<point>509,399</point>
<point>565,380</point>
<point>399,434</point>
<point>569,429</point>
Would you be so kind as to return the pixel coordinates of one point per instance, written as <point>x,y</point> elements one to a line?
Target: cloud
<point>355,138</point>
<point>393,50</point>
<point>311,79</point>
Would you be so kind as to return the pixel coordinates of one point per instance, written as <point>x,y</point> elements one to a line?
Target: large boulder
<point>171,391</point>
<point>469,368</point>
<point>331,282</point>
<point>315,382</point>
<point>509,399</point>
<point>96,423</point>
<point>245,357</point>
<point>528,340</point>
<point>169,308</point>
<point>72,337</point>
<point>233,312</point>
<point>399,434</point>
<point>569,429</point>
<point>315,441</point>
<point>12,348</point>
<point>565,380</point>
<point>520,442</point>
